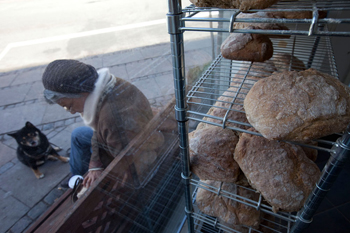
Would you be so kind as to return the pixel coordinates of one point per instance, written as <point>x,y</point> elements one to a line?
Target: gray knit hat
<point>69,76</point>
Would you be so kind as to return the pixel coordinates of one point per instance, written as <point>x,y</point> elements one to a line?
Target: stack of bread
<point>280,100</point>
<point>274,101</point>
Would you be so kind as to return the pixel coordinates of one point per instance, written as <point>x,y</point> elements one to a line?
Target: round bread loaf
<point>257,70</point>
<point>298,106</point>
<point>211,157</point>
<point>287,62</point>
<point>243,5</point>
<point>263,26</point>
<point>227,210</point>
<point>280,171</point>
<point>230,104</point>
<point>247,47</point>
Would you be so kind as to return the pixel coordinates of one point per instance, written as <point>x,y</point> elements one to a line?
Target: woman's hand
<point>91,177</point>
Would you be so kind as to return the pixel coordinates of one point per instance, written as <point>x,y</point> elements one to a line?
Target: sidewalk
<point>23,197</point>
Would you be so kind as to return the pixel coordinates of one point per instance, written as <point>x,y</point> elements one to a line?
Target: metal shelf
<point>218,78</point>
<point>309,41</point>
<point>214,83</point>
<point>282,221</point>
<point>311,26</point>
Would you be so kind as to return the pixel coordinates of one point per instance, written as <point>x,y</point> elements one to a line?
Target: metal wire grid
<point>314,24</point>
<point>275,222</point>
<point>146,208</point>
<point>223,73</point>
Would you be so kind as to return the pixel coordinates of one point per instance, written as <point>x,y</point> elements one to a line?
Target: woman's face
<point>73,105</point>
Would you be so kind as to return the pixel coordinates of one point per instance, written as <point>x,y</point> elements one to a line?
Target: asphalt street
<point>35,32</point>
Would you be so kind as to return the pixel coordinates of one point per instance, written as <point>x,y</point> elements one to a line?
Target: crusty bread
<point>257,70</point>
<point>287,62</point>
<point>298,14</point>
<point>211,158</point>
<point>263,26</point>
<point>298,106</point>
<point>230,103</point>
<point>243,5</point>
<point>227,210</point>
<point>247,47</point>
<point>280,171</point>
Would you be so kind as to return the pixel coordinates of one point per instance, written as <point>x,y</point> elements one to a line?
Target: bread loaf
<point>227,210</point>
<point>298,106</point>
<point>298,14</point>
<point>257,70</point>
<point>247,47</point>
<point>243,5</point>
<point>280,171</point>
<point>287,62</point>
<point>211,157</point>
<point>263,26</point>
<point>230,104</point>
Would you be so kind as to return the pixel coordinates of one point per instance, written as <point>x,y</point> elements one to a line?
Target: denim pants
<point>80,152</point>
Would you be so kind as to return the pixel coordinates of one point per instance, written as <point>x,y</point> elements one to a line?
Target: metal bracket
<point>232,20</point>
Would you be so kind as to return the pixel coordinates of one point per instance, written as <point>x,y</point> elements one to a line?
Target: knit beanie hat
<point>69,76</point>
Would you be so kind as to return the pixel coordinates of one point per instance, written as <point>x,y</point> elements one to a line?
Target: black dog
<point>34,148</point>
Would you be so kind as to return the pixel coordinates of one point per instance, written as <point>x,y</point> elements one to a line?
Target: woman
<point>114,109</point>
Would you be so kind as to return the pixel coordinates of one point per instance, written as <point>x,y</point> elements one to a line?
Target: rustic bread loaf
<point>211,157</point>
<point>263,26</point>
<point>280,171</point>
<point>298,106</point>
<point>243,5</point>
<point>247,47</point>
<point>287,62</point>
<point>230,103</point>
<point>227,210</point>
<point>298,14</point>
<point>257,70</point>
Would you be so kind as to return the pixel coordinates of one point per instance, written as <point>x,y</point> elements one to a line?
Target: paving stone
<point>95,61</point>
<point>120,71</point>
<point>156,50</point>
<point>6,154</point>
<point>48,126</point>
<point>165,83</point>
<point>35,92</point>
<point>59,124</point>
<point>10,210</point>
<point>21,225</point>
<point>21,182</point>
<point>37,210</point>
<point>197,58</point>
<point>53,195</point>
<point>6,167</point>
<point>148,67</point>
<point>13,94</point>
<point>122,57</point>
<point>7,79</point>
<point>15,118</point>
<point>55,112</point>
<point>69,121</point>
<point>29,75</point>
<point>147,86</point>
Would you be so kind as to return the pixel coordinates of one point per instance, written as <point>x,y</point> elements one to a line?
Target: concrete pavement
<point>23,197</point>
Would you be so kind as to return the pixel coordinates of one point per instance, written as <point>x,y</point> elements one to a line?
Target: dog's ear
<point>14,135</point>
<point>29,125</point>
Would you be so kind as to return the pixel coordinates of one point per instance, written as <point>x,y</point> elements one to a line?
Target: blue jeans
<point>80,152</point>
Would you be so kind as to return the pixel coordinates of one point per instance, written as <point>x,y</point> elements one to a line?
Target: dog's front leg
<point>63,159</point>
<point>37,173</point>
